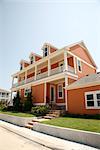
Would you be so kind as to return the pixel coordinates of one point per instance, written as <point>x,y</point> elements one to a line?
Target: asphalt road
<point>12,141</point>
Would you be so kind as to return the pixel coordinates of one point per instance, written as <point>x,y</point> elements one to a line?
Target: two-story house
<point>4,95</point>
<point>48,76</point>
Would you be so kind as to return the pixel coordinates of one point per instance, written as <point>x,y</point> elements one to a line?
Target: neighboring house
<point>84,95</point>
<point>48,77</point>
<point>4,95</point>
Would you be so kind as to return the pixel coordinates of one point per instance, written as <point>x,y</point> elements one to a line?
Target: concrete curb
<point>83,137</point>
<point>20,121</point>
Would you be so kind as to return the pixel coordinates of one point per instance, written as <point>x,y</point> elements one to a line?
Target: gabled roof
<point>89,80</point>
<point>82,44</point>
<point>48,44</point>
<point>24,61</point>
<point>34,54</point>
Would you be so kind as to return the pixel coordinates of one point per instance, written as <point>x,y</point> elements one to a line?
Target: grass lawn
<point>92,125</point>
<point>19,114</point>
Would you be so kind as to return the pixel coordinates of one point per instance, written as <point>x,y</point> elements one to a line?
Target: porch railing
<point>30,79</point>
<point>71,69</point>
<point>57,70</point>
<point>45,74</point>
<point>42,75</point>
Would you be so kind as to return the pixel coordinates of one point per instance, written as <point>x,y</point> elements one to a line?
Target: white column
<point>45,91</point>
<point>66,84</point>
<point>74,64</point>
<point>65,60</point>
<point>49,67</point>
<point>12,81</point>
<point>25,76</point>
<point>35,72</point>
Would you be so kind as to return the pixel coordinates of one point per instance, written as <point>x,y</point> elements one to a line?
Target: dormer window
<point>45,52</point>
<point>32,59</point>
<point>21,66</point>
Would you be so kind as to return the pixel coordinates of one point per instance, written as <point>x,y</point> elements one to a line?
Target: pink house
<point>49,76</point>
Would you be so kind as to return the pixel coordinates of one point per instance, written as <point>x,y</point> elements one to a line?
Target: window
<point>60,91</point>
<point>45,52</point>
<point>27,90</point>
<point>32,59</point>
<point>79,65</point>
<point>98,99</point>
<point>92,99</point>
<point>61,66</point>
<point>21,66</point>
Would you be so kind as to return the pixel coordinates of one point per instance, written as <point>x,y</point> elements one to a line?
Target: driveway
<point>12,141</point>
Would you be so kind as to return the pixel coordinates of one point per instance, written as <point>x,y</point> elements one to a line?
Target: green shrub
<point>40,110</point>
<point>28,103</point>
<point>2,106</point>
<point>16,102</point>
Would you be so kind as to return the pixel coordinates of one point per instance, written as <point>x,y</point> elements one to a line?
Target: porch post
<point>25,76</point>
<point>45,92</point>
<point>65,60</point>
<point>49,68</point>
<point>66,84</point>
<point>12,81</point>
<point>35,72</point>
<point>74,64</point>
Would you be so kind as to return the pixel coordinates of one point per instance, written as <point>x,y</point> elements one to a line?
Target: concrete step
<point>29,126</point>
<point>31,123</point>
<point>52,115</point>
<point>49,117</point>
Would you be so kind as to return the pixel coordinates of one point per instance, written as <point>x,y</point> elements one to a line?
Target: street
<point>12,141</point>
<point>13,137</point>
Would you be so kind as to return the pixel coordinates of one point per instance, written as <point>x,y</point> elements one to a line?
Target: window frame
<point>78,60</point>
<point>94,99</point>
<point>32,59</point>
<point>44,51</point>
<point>28,88</point>
<point>60,84</point>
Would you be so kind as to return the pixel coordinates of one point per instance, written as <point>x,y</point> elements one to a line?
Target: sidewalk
<point>45,140</point>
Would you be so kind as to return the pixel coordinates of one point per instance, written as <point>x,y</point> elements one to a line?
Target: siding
<point>76,101</point>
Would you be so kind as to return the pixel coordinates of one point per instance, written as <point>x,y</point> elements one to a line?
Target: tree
<point>16,102</point>
<point>28,102</point>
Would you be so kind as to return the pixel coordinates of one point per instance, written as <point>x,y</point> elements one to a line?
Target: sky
<point>25,25</point>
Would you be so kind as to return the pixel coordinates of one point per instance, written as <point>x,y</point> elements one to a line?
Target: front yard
<point>19,114</point>
<point>92,125</point>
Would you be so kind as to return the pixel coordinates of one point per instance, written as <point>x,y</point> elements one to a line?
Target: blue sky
<point>26,24</point>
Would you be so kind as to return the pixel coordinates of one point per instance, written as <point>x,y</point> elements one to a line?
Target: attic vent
<point>87,75</point>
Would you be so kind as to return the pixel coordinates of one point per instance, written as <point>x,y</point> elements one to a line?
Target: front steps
<point>34,121</point>
<point>51,115</point>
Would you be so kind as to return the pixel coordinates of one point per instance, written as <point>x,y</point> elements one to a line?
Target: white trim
<point>54,93</point>
<point>65,60</point>
<point>94,99</point>
<point>75,64</point>
<point>94,83</point>
<point>49,67</point>
<point>60,104</point>
<point>66,84</point>
<point>37,104</point>
<point>60,84</point>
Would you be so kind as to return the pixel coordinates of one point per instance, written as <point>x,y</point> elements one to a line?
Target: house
<point>49,76</point>
<point>4,95</point>
<point>84,95</point>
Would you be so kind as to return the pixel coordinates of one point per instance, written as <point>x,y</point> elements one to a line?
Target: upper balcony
<point>56,65</point>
